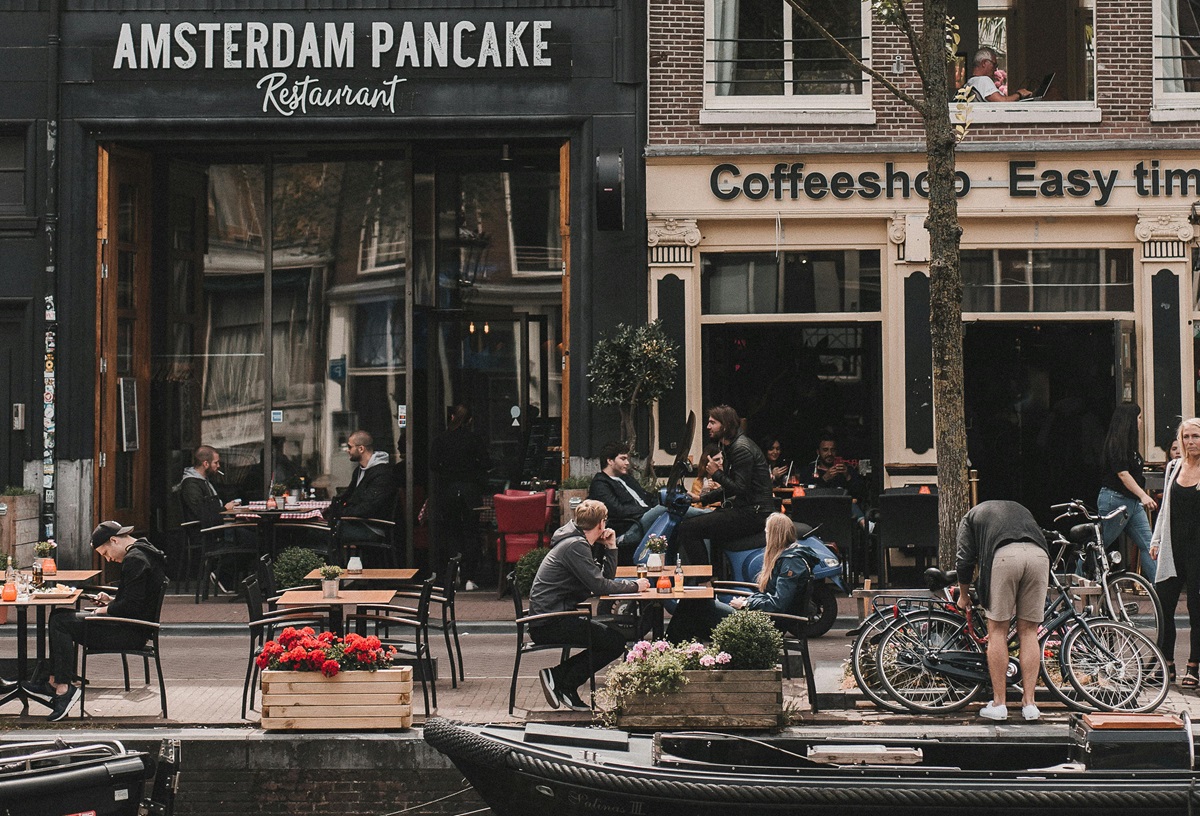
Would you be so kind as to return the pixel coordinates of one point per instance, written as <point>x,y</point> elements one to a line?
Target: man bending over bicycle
<point>1004,541</point>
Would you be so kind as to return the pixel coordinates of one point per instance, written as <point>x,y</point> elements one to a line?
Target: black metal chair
<point>413,620</point>
<point>792,628</point>
<point>219,545</point>
<point>147,650</point>
<point>523,620</point>
<point>263,626</point>
<point>444,595</point>
<point>828,511</point>
<point>907,521</point>
<point>372,538</point>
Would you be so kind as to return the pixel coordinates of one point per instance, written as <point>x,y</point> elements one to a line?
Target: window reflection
<point>800,282</point>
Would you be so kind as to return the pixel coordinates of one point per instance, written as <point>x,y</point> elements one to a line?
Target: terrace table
<point>651,602</point>
<point>41,604</point>
<point>370,574</point>
<point>268,519</point>
<point>337,606</point>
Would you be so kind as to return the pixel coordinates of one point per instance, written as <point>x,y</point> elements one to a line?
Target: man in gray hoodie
<point>569,575</point>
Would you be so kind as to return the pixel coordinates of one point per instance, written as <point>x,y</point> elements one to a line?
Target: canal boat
<point>1095,764</point>
<point>82,776</point>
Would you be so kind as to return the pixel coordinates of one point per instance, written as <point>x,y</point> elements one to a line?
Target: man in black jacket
<point>371,494</point>
<point>459,462</point>
<point>196,493</point>
<point>631,510</point>
<point>745,493</point>
<point>139,596</point>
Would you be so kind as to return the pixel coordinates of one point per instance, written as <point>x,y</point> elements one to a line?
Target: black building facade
<point>262,225</point>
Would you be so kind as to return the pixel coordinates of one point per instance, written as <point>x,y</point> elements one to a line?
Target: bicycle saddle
<point>938,579</point>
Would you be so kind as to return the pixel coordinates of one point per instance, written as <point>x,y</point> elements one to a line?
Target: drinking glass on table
<point>24,583</point>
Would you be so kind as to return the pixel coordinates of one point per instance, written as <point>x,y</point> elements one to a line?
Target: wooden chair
<point>147,650</point>
<point>520,527</point>
<point>523,620</point>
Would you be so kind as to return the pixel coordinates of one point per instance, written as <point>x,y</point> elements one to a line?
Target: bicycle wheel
<point>900,662</point>
<point>1114,667</point>
<point>1052,674</point>
<point>1132,600</point>
<point>863,662</point>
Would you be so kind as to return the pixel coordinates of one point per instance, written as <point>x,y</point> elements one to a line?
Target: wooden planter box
<point>353,700</point>
<point>20,526</point>
<point>712,699</point>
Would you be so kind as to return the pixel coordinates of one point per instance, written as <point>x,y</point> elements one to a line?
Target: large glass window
<point>790,282</point>
<point>1047,280</point>
<point>12,174</point>
<point>762,51</point>
<point>1178,51</point>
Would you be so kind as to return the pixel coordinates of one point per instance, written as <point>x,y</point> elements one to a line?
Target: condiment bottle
<point>37,572</point>
<point>678,574</point>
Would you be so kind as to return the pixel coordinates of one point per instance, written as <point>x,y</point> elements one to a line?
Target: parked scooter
<point>826,574</point>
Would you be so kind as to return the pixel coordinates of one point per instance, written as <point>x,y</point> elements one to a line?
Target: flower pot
<point>329,588</point>
<point>715,698</point>
<point>351,700</point>
<point>654,562</point>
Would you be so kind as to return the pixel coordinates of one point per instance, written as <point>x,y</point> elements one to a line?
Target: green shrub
<point>750,638</point>
<point>527,567</point>
<point>293,564</point>
<point>576,483</point>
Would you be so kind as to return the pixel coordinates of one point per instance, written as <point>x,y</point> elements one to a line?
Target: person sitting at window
<point>831,470</point>
<point>983,79</point>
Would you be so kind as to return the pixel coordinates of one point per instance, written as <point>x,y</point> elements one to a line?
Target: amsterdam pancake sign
<point>306,67</point>
<point>791,181</point>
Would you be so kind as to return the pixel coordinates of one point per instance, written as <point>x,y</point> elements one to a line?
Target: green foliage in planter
<point>576,483</point>
<point>527,567</point>
<point>293,564</point>
<point>16,490</point>
<point>750,638</point>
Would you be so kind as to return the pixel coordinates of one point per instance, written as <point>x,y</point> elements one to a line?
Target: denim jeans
<point>1136,523</point>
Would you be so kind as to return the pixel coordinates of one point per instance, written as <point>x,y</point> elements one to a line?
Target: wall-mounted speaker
<point>610,191</point>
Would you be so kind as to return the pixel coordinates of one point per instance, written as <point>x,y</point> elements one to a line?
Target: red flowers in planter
<point>307,650</point>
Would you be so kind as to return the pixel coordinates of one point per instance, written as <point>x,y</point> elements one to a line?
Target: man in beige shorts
<point>1008,546</point>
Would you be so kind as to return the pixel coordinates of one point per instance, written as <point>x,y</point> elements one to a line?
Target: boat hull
<point>557,780</point>
<point>63,779</point>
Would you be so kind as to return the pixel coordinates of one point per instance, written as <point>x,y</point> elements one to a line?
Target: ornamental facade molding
<point>672,231</point>
<point>1164,228</point>
<point>897,229</point>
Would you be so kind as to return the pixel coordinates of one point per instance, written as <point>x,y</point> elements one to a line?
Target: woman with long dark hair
<point>1176,546</point>
<point>781,468</point>
<point>1124,484</point>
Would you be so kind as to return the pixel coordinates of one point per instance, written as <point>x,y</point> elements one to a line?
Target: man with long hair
<point>744,492</point>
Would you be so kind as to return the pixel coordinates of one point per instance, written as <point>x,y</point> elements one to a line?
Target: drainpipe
<point>50,224</point>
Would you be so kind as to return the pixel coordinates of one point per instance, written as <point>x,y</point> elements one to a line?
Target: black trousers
<point>67,629</point>
<point>457,528</point>
<point>607,645</point>
<point>1169,590</point>
<point>721,525</point>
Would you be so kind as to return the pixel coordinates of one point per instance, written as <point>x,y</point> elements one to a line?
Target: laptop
<point>1041,90</point>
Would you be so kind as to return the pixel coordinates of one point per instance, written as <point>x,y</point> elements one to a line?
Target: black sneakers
<point>42,691</point>
<point>62,704</point>
<point>570,699</point>
<point>547,678</point>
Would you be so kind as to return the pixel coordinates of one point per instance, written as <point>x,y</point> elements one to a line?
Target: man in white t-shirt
<point>983,79</point>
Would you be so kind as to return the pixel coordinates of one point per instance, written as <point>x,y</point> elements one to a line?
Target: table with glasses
<point>337,606</point>
<point>651,602</point>
<point>50,598</point>
<point>267,519</point>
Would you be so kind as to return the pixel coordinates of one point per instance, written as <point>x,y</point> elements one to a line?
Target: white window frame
<point>1168,106</point>
<point>784,109</point>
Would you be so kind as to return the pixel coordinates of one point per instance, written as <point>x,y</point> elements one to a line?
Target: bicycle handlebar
<point>1075,507</point>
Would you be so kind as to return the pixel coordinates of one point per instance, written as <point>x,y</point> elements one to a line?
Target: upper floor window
<point>1047,280</point>
<point>1177,66</point>
<point>12,174</point>
<point>819,281</point>
<point>761,54</point>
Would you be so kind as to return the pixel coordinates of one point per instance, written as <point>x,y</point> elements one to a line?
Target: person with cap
<point>139,594</point>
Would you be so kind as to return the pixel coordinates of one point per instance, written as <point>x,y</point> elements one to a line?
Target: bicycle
<point>1121,593</point>
<point>934,661</point>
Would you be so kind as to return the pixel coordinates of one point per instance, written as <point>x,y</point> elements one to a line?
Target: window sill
<point>759,116</point>
<point>1175,113</point>
<point>1021,113</point>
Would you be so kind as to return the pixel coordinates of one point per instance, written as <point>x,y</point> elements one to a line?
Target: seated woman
<point>781,468</point>
<point>782,587</point>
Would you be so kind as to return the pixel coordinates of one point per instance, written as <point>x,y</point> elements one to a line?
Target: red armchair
<point>520,527</point>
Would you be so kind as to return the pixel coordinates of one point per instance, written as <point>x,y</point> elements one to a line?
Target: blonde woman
<point>1176,546</point>
<point>782,586</point>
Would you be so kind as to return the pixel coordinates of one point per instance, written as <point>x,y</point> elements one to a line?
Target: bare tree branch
<point>904,22</point>
<point>895,90</point>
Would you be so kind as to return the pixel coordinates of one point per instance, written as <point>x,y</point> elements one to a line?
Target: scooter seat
<point>754,541</point>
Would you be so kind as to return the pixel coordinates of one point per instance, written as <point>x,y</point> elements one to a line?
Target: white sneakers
<point>999,713</point>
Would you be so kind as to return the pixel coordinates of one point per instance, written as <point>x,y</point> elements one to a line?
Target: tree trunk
<point>629,427</point>
<point>945,288</point>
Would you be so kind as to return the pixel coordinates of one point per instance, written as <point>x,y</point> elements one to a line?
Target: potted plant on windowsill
<point>314,680</point>
<point>330,573</point>
<point>734,683</point>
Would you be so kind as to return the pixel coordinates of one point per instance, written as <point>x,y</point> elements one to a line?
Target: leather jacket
<point>745,478</point>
